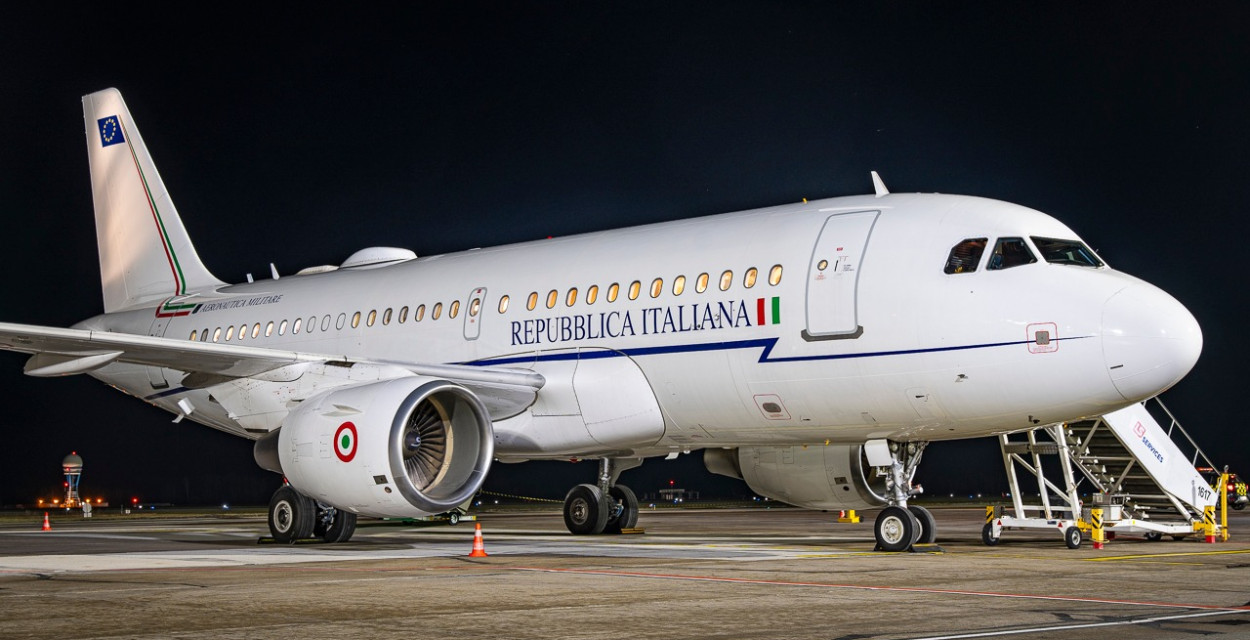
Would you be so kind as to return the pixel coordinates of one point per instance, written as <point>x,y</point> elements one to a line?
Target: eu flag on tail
<point>110,131</point>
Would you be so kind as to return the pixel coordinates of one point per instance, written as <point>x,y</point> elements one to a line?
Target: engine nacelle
<point>813,477</point>
<point>406,447</point>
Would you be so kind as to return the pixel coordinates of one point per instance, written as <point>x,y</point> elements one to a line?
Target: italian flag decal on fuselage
<point>767,311</point>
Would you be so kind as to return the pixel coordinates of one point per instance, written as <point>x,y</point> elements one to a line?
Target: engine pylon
<point>479,549</point>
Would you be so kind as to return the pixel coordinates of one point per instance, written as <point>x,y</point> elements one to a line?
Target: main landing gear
<point>899,526</point>
<point>604,507</point>
<point>294,516</point>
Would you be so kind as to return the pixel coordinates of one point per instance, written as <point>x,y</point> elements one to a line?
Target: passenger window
<point>356,320</point>
<point>532,302</point>
<point>325,322</point>
<point>657,287</point>
<point>229,333</point>
<point>282,327</point>
<point>748,280</point>
<point>1073,252</point>
<point>454,310</point>
<point>613,291</point>
<point>204,335</point>
<point>437,311</point>
<point>571,297</point>
<point>634,288</point>
<point>1008,253</point>
<point>419,314</point>
<point>298,323</point>
<point>403,314</point>
<point>475,307</point>
<point>371,318</point>
<point>552,297</point>
<point>774,275</point>
<point>342,320</point>
<point>965,256</point>
<point>726,279</point>
<point>700,285</point>
<point>269,329</point>
<point>216,334</point>
<point>503,304</point>
<point>679,285</point>
<point>592,294</point>
<point>256,330</point>
<point>386,317</point>
<point>194,335</point>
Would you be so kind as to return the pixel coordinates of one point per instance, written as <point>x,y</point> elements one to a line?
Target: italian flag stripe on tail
<point>762,309</point>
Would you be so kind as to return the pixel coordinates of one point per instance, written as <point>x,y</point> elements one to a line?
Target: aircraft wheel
<point>1238,506</point>
<point>623,497</point>
<point>895,529</point>
<point>341,527</point>
<point>1154,536</point>
<point>585,510</point>
<point>926,532</point>
<point>1072,537</point>
<point>291,515</point>
<point>987,535</point>
<point>453,518</point>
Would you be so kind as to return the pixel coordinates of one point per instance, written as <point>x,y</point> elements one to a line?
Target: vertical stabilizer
<point>145,252</point>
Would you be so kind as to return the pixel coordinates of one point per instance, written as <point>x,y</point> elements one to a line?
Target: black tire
<point>927,527</point>
<point>292,516</point>
<point>1072,537</point>
<point>623,497</point>
<point>1238,506</point>
<point>585,510</point>
<point>895,529</point>
<point>453,518</point>
<point>1179,538</point>
<point>1153,536</point>
<point>987,535</point>
<point>341,527</point>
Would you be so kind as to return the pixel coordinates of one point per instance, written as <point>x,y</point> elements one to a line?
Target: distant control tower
<point>72,467</point>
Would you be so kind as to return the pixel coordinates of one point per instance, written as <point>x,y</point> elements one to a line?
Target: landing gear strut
<point>899,526</point>
<point>604,507</point>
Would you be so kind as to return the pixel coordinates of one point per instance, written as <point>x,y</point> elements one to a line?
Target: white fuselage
<point>902,350</point>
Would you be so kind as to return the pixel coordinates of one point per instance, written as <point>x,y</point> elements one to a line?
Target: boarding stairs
<point>1143,476</point>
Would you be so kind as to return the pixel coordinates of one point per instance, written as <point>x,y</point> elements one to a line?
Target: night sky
<point>296,135</point>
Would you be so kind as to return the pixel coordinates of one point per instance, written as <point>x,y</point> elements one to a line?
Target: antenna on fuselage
<point>878,185</point>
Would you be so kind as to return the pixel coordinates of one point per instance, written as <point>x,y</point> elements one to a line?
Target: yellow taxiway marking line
<point>1177,554</point>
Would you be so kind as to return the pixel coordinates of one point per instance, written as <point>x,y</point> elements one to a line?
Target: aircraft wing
<point>59,352</point>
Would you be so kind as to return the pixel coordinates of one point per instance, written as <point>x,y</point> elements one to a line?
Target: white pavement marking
<point>1069,627</point>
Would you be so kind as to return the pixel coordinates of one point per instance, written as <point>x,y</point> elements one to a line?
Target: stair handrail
<point>1176,424</point>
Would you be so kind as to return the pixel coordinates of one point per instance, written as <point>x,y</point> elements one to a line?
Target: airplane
<point>812,349</point>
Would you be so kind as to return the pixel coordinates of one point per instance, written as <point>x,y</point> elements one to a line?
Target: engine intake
<point>406,447</point>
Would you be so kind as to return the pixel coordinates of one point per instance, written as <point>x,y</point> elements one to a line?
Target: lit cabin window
<point>679,285</point>
<point>475,307</point>
<point>356,320</point>
<point>1008,253</point>
<point>965,256</point>
<point>371,318</point>
<point>613,292</point>
<point>657,287</point>
<point>282,327</point>
<point>256,330</point>
<point>403,315</point>
<point>592,294</point>
<point>700,285</point>
<point>726,279</point>
<point>229,333</point>
<point>298,323</point>
<point>419,314</point>
<point>532,302</point>
<point>242,332</point>
<point>1072,252</point>
<point>571,298</point>
<point>634,288</point>
<point>437,311</point>
<point>552,297</point>
<point>269,329</point>
<point>216,334</point>
<point>748,279</point>
<point>774,275</point>
<point>454,310</point>
<point>503,305</point>
<point>386,317</point>
<point>194,335</point>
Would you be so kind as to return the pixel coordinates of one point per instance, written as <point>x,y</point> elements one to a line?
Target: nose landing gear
<point>899,526</point>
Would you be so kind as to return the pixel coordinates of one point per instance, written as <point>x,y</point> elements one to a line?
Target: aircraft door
<point>156,375</point>
<point>833,275</point>
<point>473,319</point>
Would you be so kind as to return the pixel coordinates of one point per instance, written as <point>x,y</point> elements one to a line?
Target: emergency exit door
<point>833,275</point>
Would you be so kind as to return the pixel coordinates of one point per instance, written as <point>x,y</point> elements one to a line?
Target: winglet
<point>878,185</point>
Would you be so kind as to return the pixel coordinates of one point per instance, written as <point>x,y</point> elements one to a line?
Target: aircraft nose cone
<point>1149,341</point>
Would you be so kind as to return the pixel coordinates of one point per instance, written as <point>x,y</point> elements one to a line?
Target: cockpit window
<point>1010,252</point>
<point>965,256</point>
<point>1074,252</point>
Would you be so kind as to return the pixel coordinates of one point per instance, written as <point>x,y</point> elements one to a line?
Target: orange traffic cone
<point>46,525</point>
<point>479,549</point>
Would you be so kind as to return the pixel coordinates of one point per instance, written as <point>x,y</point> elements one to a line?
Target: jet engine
<point>813,476</point>
<point>406,447</point>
